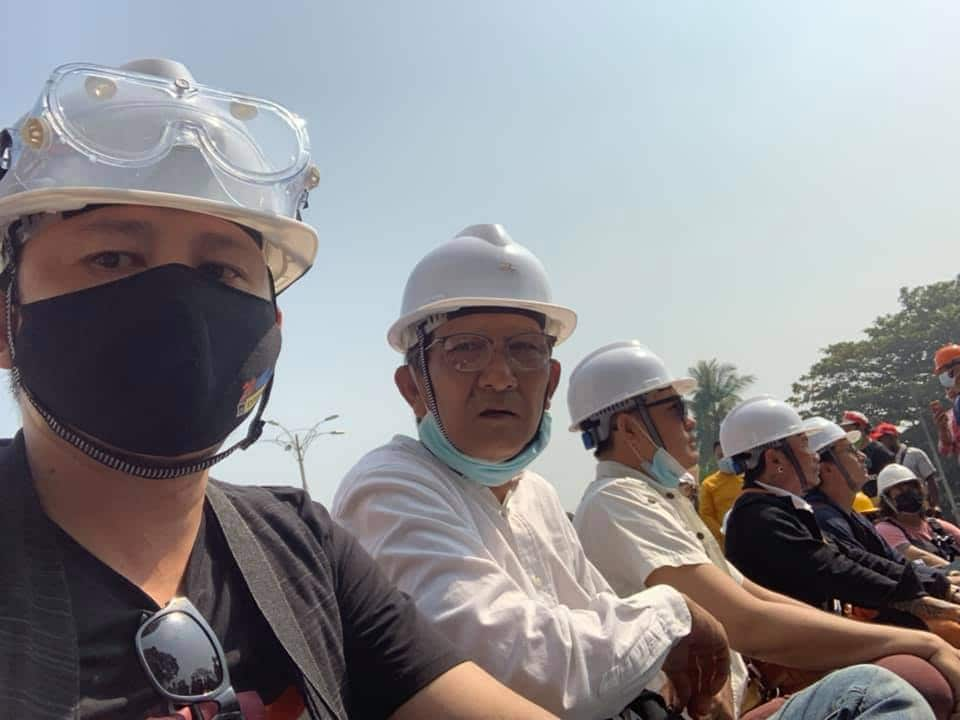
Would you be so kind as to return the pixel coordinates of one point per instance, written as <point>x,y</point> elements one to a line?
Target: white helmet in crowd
<point>609,380</point>
<point>757,423</point>
<point>894,474</point>
<point>823,433</point>
<point>148,134</point>
<point>481,267</point>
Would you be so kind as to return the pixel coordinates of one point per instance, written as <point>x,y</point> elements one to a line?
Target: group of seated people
<point>142,328</point>
<point>563,614</point>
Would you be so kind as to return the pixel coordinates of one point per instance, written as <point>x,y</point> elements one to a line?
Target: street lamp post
<point>298,441</point>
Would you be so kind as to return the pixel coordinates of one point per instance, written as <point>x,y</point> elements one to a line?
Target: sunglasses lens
<point>181,656</point>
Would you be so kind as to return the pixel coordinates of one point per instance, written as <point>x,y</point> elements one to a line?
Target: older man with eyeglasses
<point>481,543</point>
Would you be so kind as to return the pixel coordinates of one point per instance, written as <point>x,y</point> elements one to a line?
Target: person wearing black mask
<point>904,525</point>
<point>146,233</point>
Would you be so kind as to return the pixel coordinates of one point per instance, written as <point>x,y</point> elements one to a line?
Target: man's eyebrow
<point>118,226</point>
<point>228,241</point>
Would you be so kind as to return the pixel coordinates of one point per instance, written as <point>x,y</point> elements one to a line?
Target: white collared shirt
<point>630,525</point>
<point>509,584</point>
<point>798,502</point>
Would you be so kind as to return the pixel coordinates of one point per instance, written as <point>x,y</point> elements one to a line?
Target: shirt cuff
<point>671,618</point>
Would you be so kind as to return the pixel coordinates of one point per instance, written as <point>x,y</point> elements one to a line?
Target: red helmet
<point>946,357</point>
<point>852,417</point>
<point>884,428</point>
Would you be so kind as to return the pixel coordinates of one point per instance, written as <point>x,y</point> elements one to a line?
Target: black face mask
<point>910,501</point>
<point>164,363</point>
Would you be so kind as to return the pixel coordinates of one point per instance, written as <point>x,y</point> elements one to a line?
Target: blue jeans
<point>865,692</point>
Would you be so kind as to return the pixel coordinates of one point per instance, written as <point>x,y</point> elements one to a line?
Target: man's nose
<point>498,375</point>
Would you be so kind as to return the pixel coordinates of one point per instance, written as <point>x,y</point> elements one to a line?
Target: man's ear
<point>405,379</point>
<point>552,382</point>
<point>6,362</point>
<point>773,458</point>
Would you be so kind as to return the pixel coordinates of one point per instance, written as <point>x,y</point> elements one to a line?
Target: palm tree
<point>718,389</point>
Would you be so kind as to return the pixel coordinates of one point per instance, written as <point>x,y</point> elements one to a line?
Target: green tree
<point>887,375</point>
<point>718,389</point>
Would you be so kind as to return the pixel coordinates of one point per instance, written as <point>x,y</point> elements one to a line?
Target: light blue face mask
<point>728,466</point>
<point>666,470</point>
<point>481,471</point>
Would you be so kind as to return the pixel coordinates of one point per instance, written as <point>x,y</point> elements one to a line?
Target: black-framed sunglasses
<point>677,403</point>
<point>184,661</point>
<point>472,352</point>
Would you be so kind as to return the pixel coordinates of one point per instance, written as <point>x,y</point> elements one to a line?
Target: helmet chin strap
<point>792,458</point>
<point>852,486</point>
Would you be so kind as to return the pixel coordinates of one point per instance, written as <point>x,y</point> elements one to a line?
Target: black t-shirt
<point>386,643</point>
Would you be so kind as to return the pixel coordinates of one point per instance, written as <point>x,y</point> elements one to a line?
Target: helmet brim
<point>561,321</point>
<point>683,386</point>
<point>295,241</point>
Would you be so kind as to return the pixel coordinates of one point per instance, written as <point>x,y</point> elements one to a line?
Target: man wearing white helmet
<point>843,474</point>
<point>639,532</point>
<point>147,225</point>
<point>482,543</point>
<point>773,536</point>
<point>904,525</point>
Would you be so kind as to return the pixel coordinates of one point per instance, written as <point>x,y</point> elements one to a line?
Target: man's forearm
<point>762,593</point>
<point>929,608</point>
<point>788,629</point>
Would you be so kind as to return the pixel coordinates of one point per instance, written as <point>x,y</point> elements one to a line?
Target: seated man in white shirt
<point>482,544</point>
<point>641,533</point>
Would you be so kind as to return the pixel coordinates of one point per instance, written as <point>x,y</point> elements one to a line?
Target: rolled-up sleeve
<point>588,662</point>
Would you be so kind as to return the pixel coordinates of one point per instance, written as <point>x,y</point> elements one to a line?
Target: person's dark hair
<point>716,444</point>
<point>751,476</point>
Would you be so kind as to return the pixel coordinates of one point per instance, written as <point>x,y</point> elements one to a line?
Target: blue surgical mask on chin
<point>727,465</point>
<point>664,468</point>
<point>482,471</point>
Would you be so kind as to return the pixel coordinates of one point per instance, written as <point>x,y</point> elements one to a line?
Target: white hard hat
<point>481,267</point>
<point>894,474</point>
<point>823,433</point>
<point>148,134</point>
<point>757,422</point>
<point>616,373</point>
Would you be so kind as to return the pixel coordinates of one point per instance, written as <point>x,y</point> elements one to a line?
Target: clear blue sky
<point>745,180</point>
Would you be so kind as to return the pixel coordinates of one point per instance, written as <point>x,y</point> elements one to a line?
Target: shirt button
<point>536,580</point>
<point>700,536</point>
<point>670,496</point>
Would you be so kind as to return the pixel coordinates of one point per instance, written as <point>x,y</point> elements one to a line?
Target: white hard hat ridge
<point>614,374</point>
<point>894,474</point>
<point>482,266</point>
<point>757,422</point>
<point>822,433</point>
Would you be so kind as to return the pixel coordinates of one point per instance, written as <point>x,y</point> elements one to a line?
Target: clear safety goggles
<point>128,119</point>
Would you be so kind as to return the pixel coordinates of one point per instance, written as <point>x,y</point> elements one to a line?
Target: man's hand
<point>698,667</point>
<point>941,419</point>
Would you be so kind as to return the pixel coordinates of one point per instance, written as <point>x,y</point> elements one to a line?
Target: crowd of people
<point>149,225</point>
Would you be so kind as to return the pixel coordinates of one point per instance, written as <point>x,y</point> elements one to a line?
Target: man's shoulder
<point>403,465</point>
<point>401,455</point>
<point>278,510</point>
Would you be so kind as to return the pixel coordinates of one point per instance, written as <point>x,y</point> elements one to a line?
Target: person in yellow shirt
<point>718,492</point>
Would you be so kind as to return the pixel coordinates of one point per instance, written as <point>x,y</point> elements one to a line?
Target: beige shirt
<point>630,525</point>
